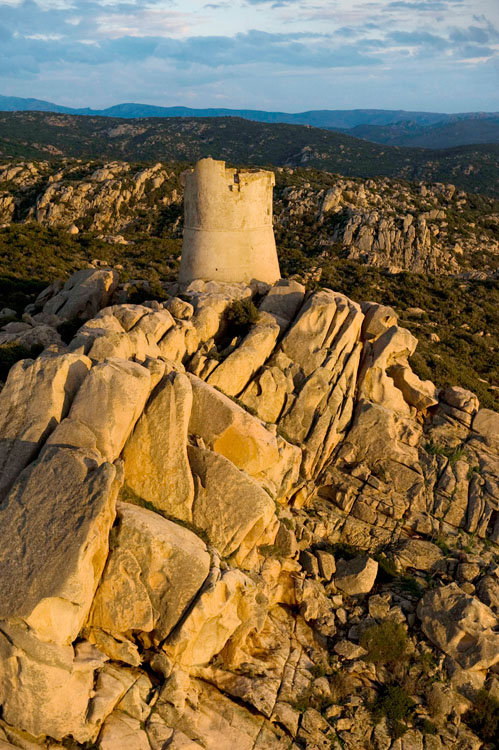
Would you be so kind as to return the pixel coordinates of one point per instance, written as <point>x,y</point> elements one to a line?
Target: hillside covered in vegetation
<point>35,135</point>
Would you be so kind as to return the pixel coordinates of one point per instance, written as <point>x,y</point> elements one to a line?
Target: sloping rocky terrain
<point>238,518</point>
<point>46,135</point>
<point>430,228</point>
<point>428,250</point>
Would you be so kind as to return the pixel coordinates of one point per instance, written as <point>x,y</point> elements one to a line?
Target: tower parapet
<point>228,234</point>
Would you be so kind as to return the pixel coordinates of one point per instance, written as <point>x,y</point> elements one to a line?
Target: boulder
<point>154,571</point>
<point>179,308</point>
<point>375,382</point>
<point>127,315</point>
<point>123,732</point>
<point>460,399</point>
<point>486,425</point>
<point>349,650</point>
<point>378,319</point>
<point>325,317</point>
<point>234,373</point>
<point>155,455</point>
<point>229,430</point>
<point>356,576</point>
<point>110,345</point>
<point>110,402</point>
<point>55,527</point>
<point>46,689</point>
<point>488,592</point>
<point>35,398</point>
<point>218,722</point>
<point>461,626</point>
<point>221,608</point>
<point>155,324</point>
<point>83,294</point>
<point>41,335</point>
<point>266,394</point>
<point>173,345</point>
<point>300,418</point>
<point>231,507</point>
<point>418,393</point>
<point>374,427</point>
<point>418,554</point>
<point>283,301</point>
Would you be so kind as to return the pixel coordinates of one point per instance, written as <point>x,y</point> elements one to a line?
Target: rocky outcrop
<point>196,560</point>
<point>83,295</point>
<point>429,228</point>
<point>389,224</point>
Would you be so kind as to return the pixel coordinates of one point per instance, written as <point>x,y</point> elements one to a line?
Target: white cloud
<point>318,53</point>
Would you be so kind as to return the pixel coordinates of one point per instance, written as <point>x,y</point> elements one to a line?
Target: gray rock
<point>418,554</point>
<point>234,511</point>
<point>83,294</point>
<point>327,564</point>
<point>356,576</point>
<point>461,626</point>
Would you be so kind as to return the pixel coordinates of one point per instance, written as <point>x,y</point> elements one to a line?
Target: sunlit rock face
<point>228,234</point>
<point>199,524</point>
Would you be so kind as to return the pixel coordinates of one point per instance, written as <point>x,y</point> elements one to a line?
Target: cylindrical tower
<point>228,234</point>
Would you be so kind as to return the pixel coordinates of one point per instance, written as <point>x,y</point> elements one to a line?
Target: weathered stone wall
<point>228,233</point>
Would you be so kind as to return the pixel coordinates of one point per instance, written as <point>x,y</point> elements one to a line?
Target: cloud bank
<point>267,54</point>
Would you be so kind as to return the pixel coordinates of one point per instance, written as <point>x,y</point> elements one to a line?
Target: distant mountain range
<point>391,127</point>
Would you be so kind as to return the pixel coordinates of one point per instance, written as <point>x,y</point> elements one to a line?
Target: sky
<point>286,55</point>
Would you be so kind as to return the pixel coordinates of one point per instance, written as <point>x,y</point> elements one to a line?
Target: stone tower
<point>228,234</point>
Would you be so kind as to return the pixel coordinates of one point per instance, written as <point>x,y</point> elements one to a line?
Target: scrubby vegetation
<point>483,718</point>
<point>396,705</point>
<point>12,353</point>
<point>384,643</point>
<point>33,256</point>
<point>45,135</point>
<point>240,316</point>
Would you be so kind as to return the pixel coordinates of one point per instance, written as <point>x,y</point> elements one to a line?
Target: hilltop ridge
<point>39,135</point>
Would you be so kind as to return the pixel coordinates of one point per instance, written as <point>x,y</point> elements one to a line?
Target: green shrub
<point>12,353</point>
<point>397,706</point>
<point>67,329</point>
<point>453,454</point>
<point>318,670</point>
<point>442,544</point>
<point>386,642</point>
<point>241,315</point>
<point>137,294</point>
<point>483,718</point>
<point>428,727</point>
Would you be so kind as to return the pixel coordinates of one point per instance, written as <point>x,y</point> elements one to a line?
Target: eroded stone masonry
<point>196,527</point>
<point>228,234</point>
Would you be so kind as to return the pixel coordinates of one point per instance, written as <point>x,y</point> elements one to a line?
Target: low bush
<point>396,705</point>
<point>12,353</point>
<point>483,717</point>
<point>240,316</point>
<point>384,643</point>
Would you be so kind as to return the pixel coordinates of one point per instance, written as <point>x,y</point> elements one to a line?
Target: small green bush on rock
<point>397,706</point>
<point>241,315</point>
<point>483,718</point>
<point>12,353</point>
<point>386,642</point>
